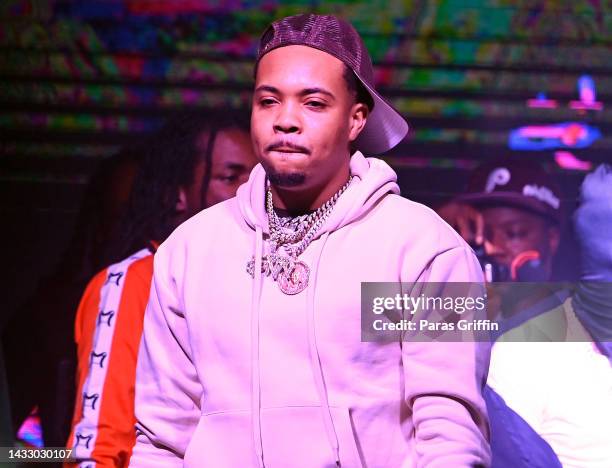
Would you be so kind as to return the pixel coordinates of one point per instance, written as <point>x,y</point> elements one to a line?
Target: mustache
<point>287,144</point>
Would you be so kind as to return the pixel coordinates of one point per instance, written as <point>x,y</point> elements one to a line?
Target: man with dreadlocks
<point>190,164</point>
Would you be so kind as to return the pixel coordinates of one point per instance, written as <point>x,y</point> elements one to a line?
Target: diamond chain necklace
<point>293,235</point>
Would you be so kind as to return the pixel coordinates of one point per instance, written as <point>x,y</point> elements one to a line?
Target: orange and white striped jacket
<point>108,328</point>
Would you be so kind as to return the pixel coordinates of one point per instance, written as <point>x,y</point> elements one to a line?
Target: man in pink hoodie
<point>251,353</point>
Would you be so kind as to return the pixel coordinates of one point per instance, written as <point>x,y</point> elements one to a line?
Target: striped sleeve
<point>108,328</point>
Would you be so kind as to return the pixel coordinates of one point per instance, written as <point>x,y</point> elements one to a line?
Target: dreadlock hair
<point>85,253</point>
<point>170,156</point>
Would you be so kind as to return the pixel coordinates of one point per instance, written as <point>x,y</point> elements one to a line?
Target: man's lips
<point>288,155</point>
<point>287,148</point>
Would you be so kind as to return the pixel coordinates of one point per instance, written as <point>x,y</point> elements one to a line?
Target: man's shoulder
<point>97,280</point>
<point>201,229</point>
<point>133,272</point>
<point>141,268</point>
<point>401,204</point>
<point>214,218</point>
<point>408,216</point>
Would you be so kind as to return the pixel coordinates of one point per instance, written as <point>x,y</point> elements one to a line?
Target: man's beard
<point>286,179</point>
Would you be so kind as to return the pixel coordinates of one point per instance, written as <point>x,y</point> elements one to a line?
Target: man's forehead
<point>300,64</point>
<point>233,149</point>
<point>226,140</point>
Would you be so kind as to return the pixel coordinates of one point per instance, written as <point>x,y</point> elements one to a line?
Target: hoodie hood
<point>592,223</point>
<point>372,179</point>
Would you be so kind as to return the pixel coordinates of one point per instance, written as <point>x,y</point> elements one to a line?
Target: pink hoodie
<point>234,373</point>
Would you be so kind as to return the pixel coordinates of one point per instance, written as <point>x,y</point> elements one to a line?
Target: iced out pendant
<point>294,281</point>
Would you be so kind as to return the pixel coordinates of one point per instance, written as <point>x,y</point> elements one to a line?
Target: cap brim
<point>384,128</point>
<point>511,199</point>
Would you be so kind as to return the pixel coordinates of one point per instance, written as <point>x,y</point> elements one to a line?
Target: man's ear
<point>181,201</point>
<point>358,119</point>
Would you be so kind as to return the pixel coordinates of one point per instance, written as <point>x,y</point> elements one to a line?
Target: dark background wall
<point>78,79</point>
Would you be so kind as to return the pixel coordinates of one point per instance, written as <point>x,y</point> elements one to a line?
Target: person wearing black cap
<point>511,213</point>
<point>555,369</point>
<point>251,353</point>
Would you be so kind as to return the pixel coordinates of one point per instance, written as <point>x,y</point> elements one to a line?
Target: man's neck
<point>291,214</point>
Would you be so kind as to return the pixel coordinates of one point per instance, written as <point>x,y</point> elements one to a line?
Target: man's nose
<point>287,120</point>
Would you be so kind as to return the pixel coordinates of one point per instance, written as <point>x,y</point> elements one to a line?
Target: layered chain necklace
<point>289,238</point>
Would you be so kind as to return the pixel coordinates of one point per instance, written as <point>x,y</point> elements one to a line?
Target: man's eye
<point>316,104</point>
<point>229,178</point>
<point>517,233</point>
<point>266,102</point>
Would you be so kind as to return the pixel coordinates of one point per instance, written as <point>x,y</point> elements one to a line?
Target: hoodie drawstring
<point>315,359</point>
<point>255,381</point>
